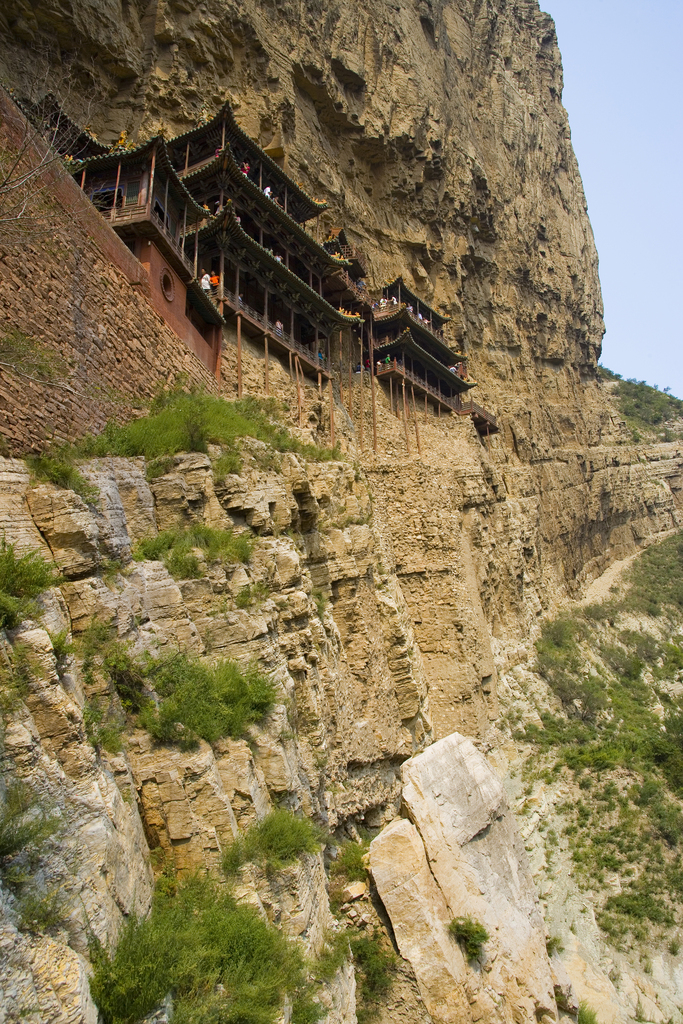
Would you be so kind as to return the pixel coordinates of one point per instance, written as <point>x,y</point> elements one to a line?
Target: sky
<point>623,91</point>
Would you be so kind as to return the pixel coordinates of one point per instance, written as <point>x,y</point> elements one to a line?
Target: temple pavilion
<point>228,237</point>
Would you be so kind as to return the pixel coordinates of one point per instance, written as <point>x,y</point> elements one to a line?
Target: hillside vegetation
<point>648,411</point>
<point>616,672</point>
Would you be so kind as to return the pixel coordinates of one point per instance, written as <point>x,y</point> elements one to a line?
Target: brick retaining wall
<point>73,285</point>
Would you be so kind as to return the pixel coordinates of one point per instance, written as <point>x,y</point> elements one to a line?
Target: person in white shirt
<point>205,281</point>
<point>267,191</point>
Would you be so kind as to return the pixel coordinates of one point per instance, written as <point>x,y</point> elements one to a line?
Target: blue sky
<point>623,90</point>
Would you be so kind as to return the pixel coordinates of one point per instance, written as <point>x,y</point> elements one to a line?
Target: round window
<point>167,286</point>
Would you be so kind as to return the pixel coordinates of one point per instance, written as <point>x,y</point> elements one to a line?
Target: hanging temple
<point>222,231</point>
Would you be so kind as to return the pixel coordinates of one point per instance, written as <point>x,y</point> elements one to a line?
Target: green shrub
<point>553,944</point>
<point>252,593</point>
<point>24,821</point>
<point>470,934</point>
<point>586,1015</point>
<point>221,960</point>
<point>201,701</point>
<point>180,421</point>
<point>41,910</point>
<point>59,468</point>
<point>22,578</point>
<point>276,841</point>
<point>375,968</point>
<point>176,549</point>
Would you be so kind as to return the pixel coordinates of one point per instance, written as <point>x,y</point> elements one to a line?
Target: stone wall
<point>69,282</point>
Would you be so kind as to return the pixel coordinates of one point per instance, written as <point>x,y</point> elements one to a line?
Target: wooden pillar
<point>184,226</point>
<point>350,357</point>
<point>260,174</point>
<point>116,189</point>
<point>320,384</point>
<point>218,339</point>
<point>372,390</point>
<point>285,198</point>
<point>187,156</point>
<point>222,276</point>
<point>291,371</point>
<point>391,394</point>
<point>405,415</point>
<point>223,135</point>
<point>291,323</point>
<point>331,397</point>
<point>196,246</point>
<point>167,219</point>
<point>417,428</point>
<point>265,342</point>
<point>425,409</point>
<point>341,369</point>
<point>362,389</point>
<point>317,227</point>
<point>239,356</point>
<point>297,367</point>
<point>83,179</point>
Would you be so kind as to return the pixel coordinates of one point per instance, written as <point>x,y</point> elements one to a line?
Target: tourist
<point>278,327</point>
<point>215,281</point>
<point>245,168</point>
<point>367,363</point>
<point>205,281</point>
<point>279,259</point>
<point>387,360</point>
<point>267,192</point>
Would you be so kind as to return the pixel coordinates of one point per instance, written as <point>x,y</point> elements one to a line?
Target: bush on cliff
<point>22,578</point>
<point>470,934</point>
<point>176,548</point>
<point>276,841</point>
<point>220,961</point>
<point>181,421</point>
<point>204,701</point>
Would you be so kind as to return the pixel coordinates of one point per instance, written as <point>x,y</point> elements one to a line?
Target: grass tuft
<point>22,578</point>
<point>276,841</point>
<point>177,549</point>
<point>470,934</point>
<point>221,960</point>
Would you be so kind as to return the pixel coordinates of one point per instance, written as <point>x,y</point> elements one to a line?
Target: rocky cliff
<point>394,588</point>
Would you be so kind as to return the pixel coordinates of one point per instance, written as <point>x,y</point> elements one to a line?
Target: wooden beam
<point>218,338</point>
<point>116,189</point>
<point>331,397</point>
<point>417,429</point>
<point>239,356</point>
<point>405,415</point>
<point>265,342</point>
<point>187,156</point>
<point>372,390</point>
<point>362,388</point>
<point>341,369</point>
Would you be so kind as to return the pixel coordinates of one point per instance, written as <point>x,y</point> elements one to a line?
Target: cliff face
<point>408,580</point>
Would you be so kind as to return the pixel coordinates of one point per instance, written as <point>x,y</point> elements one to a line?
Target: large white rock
<point>460,855</point>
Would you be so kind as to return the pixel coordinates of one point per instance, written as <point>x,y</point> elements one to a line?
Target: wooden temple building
<point>221,229</point>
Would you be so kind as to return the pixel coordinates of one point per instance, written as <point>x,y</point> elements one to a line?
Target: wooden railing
<point>349,252</point>
<point>278,333</point>
<point>478,410</point>
<point>126,214</point>
<point>398,367</point>
<point>383,311</point>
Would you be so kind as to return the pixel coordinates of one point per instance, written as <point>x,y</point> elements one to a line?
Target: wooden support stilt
<point>320,384</point>
<point>372,392</point>
<point>417,428</point>
<point>331,397</point>
<point>83,179</point>
<point>405,417</point>
<point>341,368</point>
<point>265,342</point>
<point>425,410</point>
<point>391,395</point>
<point>218,338</point>
<point>291,371</point>
<point>298,389</point>
<point>350,358</point>
<point>239,356</point>
<point>116,190</point>
<point>362,389</point>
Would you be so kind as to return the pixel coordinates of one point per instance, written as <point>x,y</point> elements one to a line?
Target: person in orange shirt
<point>215,281</point>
